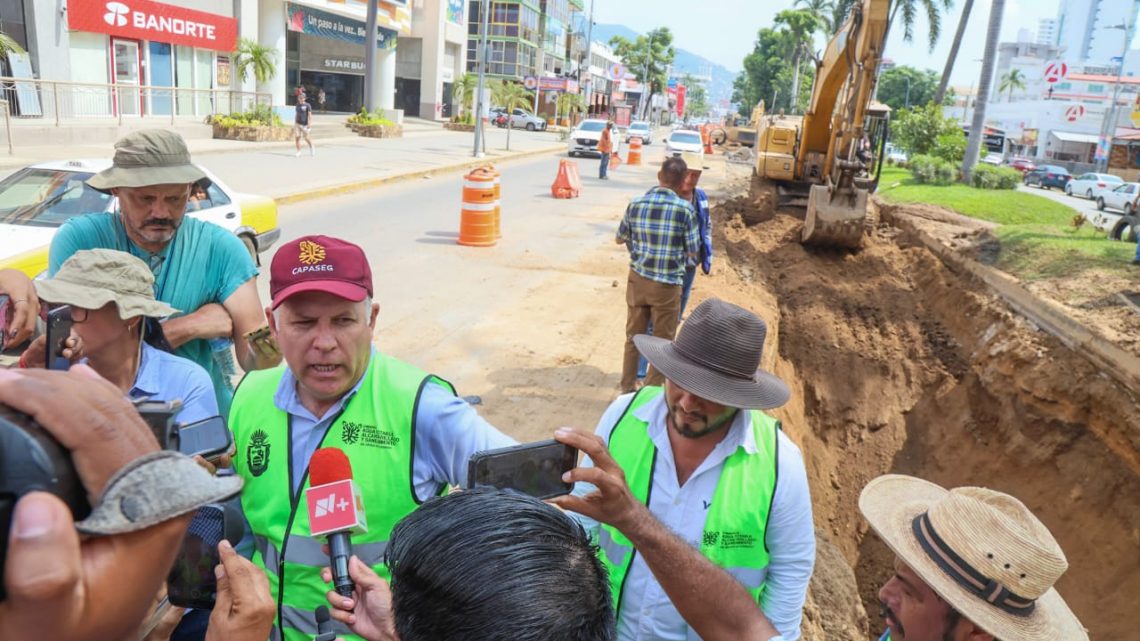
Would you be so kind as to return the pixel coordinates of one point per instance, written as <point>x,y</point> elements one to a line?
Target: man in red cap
<point>405,432</point>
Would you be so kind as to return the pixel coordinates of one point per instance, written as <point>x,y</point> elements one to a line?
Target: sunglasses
<point>78,314</point>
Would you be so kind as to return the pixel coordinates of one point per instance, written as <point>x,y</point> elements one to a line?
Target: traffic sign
<point>1074,113</point>
<point>530,83</point>
<point>1055,71</point>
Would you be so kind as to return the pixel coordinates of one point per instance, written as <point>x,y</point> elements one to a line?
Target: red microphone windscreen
<point>329,465</point>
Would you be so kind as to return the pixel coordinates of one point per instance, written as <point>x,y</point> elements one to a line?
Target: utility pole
<point>589,59</point>
<point>370,57</point>
<point>1108,127</point>
<point>485,5</point>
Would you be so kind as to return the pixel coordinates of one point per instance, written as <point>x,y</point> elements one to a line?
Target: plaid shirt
<point>660,229</point>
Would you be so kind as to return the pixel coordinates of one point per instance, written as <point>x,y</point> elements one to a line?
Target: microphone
<point>335,510</point>
<point>324,626</point>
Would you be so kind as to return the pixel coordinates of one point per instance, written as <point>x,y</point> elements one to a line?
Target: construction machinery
<point>739,132</point>
<point>829,158</point>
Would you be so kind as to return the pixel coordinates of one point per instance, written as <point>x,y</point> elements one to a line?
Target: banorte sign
<point>146,20</point>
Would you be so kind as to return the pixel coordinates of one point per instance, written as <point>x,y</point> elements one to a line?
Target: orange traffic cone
<point>706,138</point>
<point>634,156</point>
<point>567,184</point>
<point>615,160</point>
<point>477,217</point>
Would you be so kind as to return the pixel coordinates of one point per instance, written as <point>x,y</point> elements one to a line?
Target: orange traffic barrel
<point>498,199</point>
<point>634,155</point>
<point>477,216</point>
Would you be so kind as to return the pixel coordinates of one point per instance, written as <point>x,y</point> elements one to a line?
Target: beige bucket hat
<point>91,278</point>
<point>982,551</point>
<point>148,157</point>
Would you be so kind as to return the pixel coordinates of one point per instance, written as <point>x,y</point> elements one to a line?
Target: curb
<point>370,183</point>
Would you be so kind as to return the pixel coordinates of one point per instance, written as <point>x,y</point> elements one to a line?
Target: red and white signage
<point>146,20</point>
<point>335,507</point>
<point>1074,113</point>
<point>1055,71</point>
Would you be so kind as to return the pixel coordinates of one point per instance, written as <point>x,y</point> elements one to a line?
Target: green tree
<point>1010,80</point>
<point>569,103</point>
<point>839,14</point>
<point>509,96</point>
<point>464,91</point>
<point>648,58</point>
<point>9,45</point>
<point>908,11</point>
<point>989,58</point>
<point>917,131</point>
<point>799,25</point>
<point>940,96</point>
<point>903,87</point>
<point>696,97</point>
<point>822,10</point>
<point>251,56</point>
<point>768,74</point>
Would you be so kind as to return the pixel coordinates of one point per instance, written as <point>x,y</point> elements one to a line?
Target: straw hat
<point>91,278</point>
<point>717,356</point>
<point>982,551</point>
<point>148,157</point>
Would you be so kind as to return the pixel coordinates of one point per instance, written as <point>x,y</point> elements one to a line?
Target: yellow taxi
<point>37,199</point>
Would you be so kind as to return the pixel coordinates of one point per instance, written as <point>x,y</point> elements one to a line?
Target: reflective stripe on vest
<point>375,430</point>
<point>733,533</point>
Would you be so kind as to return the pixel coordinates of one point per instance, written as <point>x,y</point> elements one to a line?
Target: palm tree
<point>1010,80</point>
<point>988,59</point>
<point>9,45</point>
<point>256,57</point>
<point>509,96</point>
<point>953,55</point>
<point>839,13</point>
<point>800,24</point>
<point>823,10</point>
<point>909,12</point>
<point>647,57</point>
<point>568,103</point>
<point>464,90</point>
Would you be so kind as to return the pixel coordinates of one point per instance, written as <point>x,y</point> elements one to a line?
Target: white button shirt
<point>646,612</point>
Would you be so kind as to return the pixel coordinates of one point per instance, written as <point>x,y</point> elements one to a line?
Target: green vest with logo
<point>733,535</point>
<point>375,429</point>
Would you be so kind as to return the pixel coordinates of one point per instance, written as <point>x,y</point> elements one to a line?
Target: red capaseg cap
<point>320,264</point>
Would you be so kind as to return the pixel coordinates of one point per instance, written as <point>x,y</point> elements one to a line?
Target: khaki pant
<point>647,300</point>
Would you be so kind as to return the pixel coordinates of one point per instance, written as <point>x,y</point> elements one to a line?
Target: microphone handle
<point>340,550</point>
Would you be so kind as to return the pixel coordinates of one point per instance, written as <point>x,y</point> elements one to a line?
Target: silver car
<point>1091,185</point>
<point>1123,198</point>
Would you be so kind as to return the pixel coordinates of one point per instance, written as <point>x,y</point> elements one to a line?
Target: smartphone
<point>58,331</point>
<point>191,582</point>
<point>209,438</point>
<point>531,468</point>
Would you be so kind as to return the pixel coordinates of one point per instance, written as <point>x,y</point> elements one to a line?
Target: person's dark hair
<point>673,171</point>
<point>492,565</point>
<point>154,336</point>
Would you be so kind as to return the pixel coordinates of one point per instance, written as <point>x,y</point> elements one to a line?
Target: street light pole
<point>370,58</point>
<point>482,62</point>
<point>1108,127</point>
<point>589,59</point>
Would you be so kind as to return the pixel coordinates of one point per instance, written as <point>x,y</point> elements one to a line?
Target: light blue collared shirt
<point>163,376</point>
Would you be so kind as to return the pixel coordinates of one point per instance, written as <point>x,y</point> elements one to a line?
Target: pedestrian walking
<point>712,466</point>
<point>970,563</point>
<point>661,232</point>
<point>605,148</point>
<point>302,124</point>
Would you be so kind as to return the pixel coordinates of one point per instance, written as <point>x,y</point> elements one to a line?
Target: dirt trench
<point>897,364</point>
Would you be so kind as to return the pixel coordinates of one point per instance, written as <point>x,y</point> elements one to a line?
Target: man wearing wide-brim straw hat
<point>199,268</point>
<point>971,564</point>
<point>713,467</point>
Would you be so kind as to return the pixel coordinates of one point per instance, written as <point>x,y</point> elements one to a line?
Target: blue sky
<point>724,31</point>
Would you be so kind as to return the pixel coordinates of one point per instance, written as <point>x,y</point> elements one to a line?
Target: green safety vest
<point>375,429</point>
<point>733,536</point>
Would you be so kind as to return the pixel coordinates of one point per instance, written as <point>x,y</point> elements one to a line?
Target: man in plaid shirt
<point>661,231</point>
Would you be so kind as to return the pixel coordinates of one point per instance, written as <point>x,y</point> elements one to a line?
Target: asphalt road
<point>1103,220</point>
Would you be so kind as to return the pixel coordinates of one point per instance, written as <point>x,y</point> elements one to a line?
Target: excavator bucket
<point>835,223</point>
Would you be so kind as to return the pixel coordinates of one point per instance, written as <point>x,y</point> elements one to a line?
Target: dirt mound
<point>897,365</point>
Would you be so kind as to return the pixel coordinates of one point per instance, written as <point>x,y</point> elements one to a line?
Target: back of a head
<point>673,171</point>
<point>490,565</point>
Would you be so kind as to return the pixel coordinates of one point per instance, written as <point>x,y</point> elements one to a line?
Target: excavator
<point>829,158</point>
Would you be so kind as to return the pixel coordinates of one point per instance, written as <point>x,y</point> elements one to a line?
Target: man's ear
<point>271,320</point>
<point>374,316</point>
<point>969,631</point>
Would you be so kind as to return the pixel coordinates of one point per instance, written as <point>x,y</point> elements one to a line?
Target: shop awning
<point>1068,136</point>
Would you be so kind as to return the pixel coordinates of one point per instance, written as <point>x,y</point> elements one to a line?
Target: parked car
<point>1047,176</point>
<point>1022,164</point>
<point>681,141</point>
<point>1091,185</point>
<point>522,119</point>
<point>1122,198</point>
<point>992,159</point>
<point>584,138</point>
<point>37,199</point>
<point>894,154</point>
<point>638,129</point>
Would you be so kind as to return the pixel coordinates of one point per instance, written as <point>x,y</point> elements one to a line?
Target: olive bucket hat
<point>91,278</point>
<point>148,157</point>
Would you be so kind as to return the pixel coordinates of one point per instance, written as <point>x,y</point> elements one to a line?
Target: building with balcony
<point>431,58</point>
<point>512,38</point>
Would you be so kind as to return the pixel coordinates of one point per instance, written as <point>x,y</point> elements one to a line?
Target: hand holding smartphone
<point>58,331</point>
<point>535,469</point>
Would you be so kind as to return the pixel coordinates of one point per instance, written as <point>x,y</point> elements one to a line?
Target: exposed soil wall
<point>899,365</point>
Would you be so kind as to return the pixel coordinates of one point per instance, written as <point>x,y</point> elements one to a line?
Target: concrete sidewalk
<point>341,164</point>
